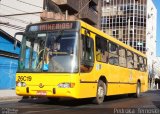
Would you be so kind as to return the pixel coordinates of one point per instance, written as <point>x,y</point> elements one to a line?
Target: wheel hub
<point>100,92</point>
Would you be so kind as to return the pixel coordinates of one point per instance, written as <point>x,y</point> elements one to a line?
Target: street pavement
<point>148,103</point>
<point>8,95</point>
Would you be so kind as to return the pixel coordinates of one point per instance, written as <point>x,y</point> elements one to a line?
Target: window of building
<point>93,7</point>
<point>131,34</point>
<point>114,32</point>
<point>107,1</point>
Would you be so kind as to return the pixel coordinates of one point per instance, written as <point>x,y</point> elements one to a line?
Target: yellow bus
<point>71,59</point>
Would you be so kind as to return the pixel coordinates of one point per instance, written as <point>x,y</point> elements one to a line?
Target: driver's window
<point>31,54</point>
<point>28,54</point>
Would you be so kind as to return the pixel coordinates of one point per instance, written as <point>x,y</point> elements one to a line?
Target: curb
<point>10,98</point>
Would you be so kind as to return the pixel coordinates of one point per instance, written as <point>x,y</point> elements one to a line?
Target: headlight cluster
<point>66,85</point>
<point>21,84</point>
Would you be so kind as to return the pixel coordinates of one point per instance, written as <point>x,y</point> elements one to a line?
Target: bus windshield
<point>49,52</point>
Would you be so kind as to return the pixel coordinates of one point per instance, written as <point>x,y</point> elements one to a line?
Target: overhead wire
<point>15,19</point>
<point>29,4</point>
<point>18,20</point>
<point>16,26</point>
<point>15,9</point>
<point>12,18</point>
<point>10,15</point>
<point>13,27</point>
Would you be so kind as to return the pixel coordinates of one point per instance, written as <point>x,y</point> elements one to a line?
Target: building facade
<point>132,22</point>
<point>151,25</point>
<point>8,60</point>
<point>86,10</point>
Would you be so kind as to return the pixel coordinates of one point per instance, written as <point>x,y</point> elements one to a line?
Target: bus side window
<point>122,57</point>
<point>101,49</point>
<point>129,59</point>
<point>135,62</point>
<point>141,64</point>
<point>145,64</point>
<point>87,54</point>
<point>113,54</point>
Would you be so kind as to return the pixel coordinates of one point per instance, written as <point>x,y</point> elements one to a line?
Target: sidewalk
<point>8,95</point>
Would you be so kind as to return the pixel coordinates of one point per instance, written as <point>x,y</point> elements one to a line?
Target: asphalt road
<point>148,103</point>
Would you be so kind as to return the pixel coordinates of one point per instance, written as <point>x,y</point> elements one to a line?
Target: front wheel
<point>101,91</point>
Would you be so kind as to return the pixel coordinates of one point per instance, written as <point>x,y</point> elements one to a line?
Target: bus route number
<point>24,78</point>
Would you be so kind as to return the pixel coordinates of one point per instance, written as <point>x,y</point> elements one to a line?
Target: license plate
<point>42,93</point>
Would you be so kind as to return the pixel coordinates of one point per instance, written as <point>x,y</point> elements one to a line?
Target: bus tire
<point>138,90</point>
<point>100,94</point>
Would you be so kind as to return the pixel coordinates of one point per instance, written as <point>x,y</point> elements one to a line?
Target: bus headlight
<point>66,85</point>
<point>21,84</point>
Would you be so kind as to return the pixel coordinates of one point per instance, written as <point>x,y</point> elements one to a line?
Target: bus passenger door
<point>87,82</point>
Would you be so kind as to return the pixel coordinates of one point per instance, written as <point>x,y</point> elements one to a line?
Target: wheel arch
<point>139,81</point>
<point>103,78</point>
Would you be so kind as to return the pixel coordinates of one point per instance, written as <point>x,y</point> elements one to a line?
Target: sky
<point>157,4</point>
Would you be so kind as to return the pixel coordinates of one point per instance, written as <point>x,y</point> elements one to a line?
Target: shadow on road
<point>61,102</point>
<point>72,102</point>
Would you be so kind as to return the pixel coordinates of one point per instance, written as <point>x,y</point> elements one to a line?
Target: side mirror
<point>15,42</point>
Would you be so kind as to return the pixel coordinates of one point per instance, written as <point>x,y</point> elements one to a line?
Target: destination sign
<point>51,26</point>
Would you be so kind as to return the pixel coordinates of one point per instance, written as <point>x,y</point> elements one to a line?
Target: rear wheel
<point>101,91</point>
<point>138,90</point>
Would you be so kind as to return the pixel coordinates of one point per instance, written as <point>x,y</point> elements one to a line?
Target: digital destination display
<point>51,26</point>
